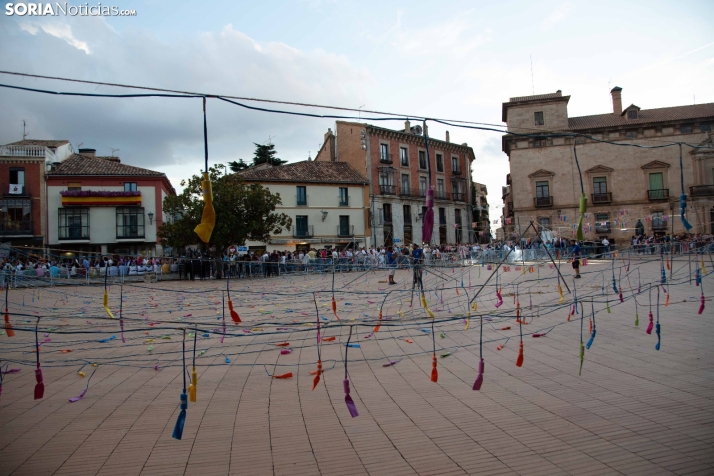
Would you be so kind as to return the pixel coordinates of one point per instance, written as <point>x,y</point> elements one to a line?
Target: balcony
<point>603,228</point>
<point>15,190</point>
<point>601,198</point>
<point>459,197</point>
<point>306,232</point>
<point>542,202</point>
<point>701,191</point>
<point>34,151</point>
<point>385,159</point>
<point>343,201</point>
<point>388,189</point>
<point>17,217</point>
<point>417,194</point>
<point>441,195</point>
<point>387,219</point>
<point>660,194</point>
<point>404,192</point>
<point>345,231</point>
<point>659,227</point>
<point>456,172</point>
<point>442,221</point>
<point>301,200</point>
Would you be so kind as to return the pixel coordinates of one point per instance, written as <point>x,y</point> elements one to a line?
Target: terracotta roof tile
<point>45,143</point>
<point>77,164</point>
<point>645,116</point>
<point>306,171</point>
<point>537,97</point>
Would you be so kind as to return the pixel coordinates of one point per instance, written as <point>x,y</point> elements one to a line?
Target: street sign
<point>397,240</point>
<point>242,250</point>
<point>232,249</point>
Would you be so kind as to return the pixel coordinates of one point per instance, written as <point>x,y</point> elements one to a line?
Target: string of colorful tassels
<point>434,372</point>
<point>181,420</point>
<point>594,326</point>
<point>651,324</point>
<point>481,365</point>
<point>121,316</point>
<point>318,372</point>
<point>233,312</point>
<point>194,376</point>
<point>8,326</point>
<point>658,328</point>
<point>519,360</point>
<point>582,346</point>
<point>346,383</point>
<point>105,298</point>
<point>86,388</point>
<point>40,385</point>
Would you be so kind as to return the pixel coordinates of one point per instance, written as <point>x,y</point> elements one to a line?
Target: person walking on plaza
<point>391,264</point>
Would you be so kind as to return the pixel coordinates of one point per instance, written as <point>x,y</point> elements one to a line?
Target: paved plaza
<point>634,410</point>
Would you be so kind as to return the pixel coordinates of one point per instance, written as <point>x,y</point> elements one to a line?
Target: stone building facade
<point>481,222</point>
<point>629,189</point>
<point>395,165</point>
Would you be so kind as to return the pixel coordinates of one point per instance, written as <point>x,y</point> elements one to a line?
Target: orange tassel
<point>457,292</point>
<point>334,308</point>
<point>283,344</point>
<point>316,380</point>
<point>591,326</point>
<point>379,324</point>
<point>518,310</point>
<point>668,266</point>
<point>434,372</point>
<point>519,362</point>
<point>8,326</point>
<point>409,341</point>
<point>666,302</point>
<point>500,347</point>
<point>328,339</point>
<point>287,375</point>
<point>507,328</point>
<point>234,314</point>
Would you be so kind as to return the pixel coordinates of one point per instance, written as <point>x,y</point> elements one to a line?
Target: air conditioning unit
<point>417,130</point>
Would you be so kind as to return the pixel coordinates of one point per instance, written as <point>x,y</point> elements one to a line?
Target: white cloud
<point>558,15</point>
<point>58,30</point>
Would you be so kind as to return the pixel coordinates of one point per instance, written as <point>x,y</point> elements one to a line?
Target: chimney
<point>407,127</point>
<point>447,137</point>
<point>328,133</point>
<point>616,93</point>
<point>88,152</point>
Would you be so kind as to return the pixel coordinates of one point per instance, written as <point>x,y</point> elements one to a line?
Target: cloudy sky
<point>457,60</point>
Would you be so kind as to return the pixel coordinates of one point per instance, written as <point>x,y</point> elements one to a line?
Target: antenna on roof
<point>270,140</point>
<point>114,151</point>
<point>24,133</point>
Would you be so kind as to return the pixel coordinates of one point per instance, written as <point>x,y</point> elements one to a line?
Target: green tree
<point>266,154</point>
<point>237,166</point>
<point>243,212</point>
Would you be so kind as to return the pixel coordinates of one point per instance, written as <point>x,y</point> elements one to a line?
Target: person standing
<point>577,252</point>
<point>606,244</point>
<point>391,264</point>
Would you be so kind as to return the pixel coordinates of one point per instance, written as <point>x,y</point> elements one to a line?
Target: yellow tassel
<point>562,297</point>
<point>468,323</point>
<point>474,306</point>
<point>704,270</point>
<point>105,300</point>
<point>192,387</point>
<point>208,218</point>
<point>423,303</point>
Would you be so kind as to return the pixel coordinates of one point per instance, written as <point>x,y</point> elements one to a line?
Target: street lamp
<point>151,218</point>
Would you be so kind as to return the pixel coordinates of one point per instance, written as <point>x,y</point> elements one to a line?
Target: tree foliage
<point>266,154</point>
<point>237,166</point>
<point>244,211</point>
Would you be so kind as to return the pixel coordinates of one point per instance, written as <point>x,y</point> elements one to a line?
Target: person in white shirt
<point>606,244</point>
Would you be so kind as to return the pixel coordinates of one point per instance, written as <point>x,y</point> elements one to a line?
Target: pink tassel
<point>650,325</point>
<point>701,306</point>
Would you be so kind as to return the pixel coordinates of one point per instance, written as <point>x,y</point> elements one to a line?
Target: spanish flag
<point>208,219</point>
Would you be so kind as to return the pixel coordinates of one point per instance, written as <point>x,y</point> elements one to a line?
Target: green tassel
<point>582,358</point>
<point>637,319</point>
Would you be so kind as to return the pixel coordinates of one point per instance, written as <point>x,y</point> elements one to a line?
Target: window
<point>422,159</point>
<point>74,186</point>
<point>301,228</point>
<point>439,163</point>
<point>631,134</point>
<point>457,190</point>
<point>455,164</point>
<point>130,186</point>
<point>542,190</point>
<point>656,191</point>
<point>539,118</point>
<point>422,186</point>
<point>632,114</point>
<point>457,217</point>
<point>301,196</point>
<point>423,211</point>
<point>73,223</point>
<point>658,222</point>
<point>442,216</point>
<point>403,156</point>
<point>344,197</point>
<point>384,154</point>
<point>405,184</point>
<point>440,191</point>
<point>386,181</point>
<point>407,210</point>
<point>544,222</point>
<point>387,213</point>
<point>17,176</point>
<point>686,129</point>
<point>602,223</point>
<point>705,128</point>
<point>130,222</point>
<point>599,185</point>
<point>16,217</point>
<point>345,226</point>
<point>538,143</point>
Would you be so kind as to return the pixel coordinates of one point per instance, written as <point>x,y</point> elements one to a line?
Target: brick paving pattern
<point>633,411</point>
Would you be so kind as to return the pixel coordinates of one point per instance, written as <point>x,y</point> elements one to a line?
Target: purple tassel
<point>479,379</point>
<point>80,396</point>
<point>389,364</point>
<point>348,400</point>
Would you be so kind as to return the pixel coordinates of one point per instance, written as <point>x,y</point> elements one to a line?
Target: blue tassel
<point>614,284</point>
<point>178,429</point>
<point>682,208</point>
<point>698,278</point>
<point>592,338</point>
<point>657,329</point>
<point>664,276</point>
